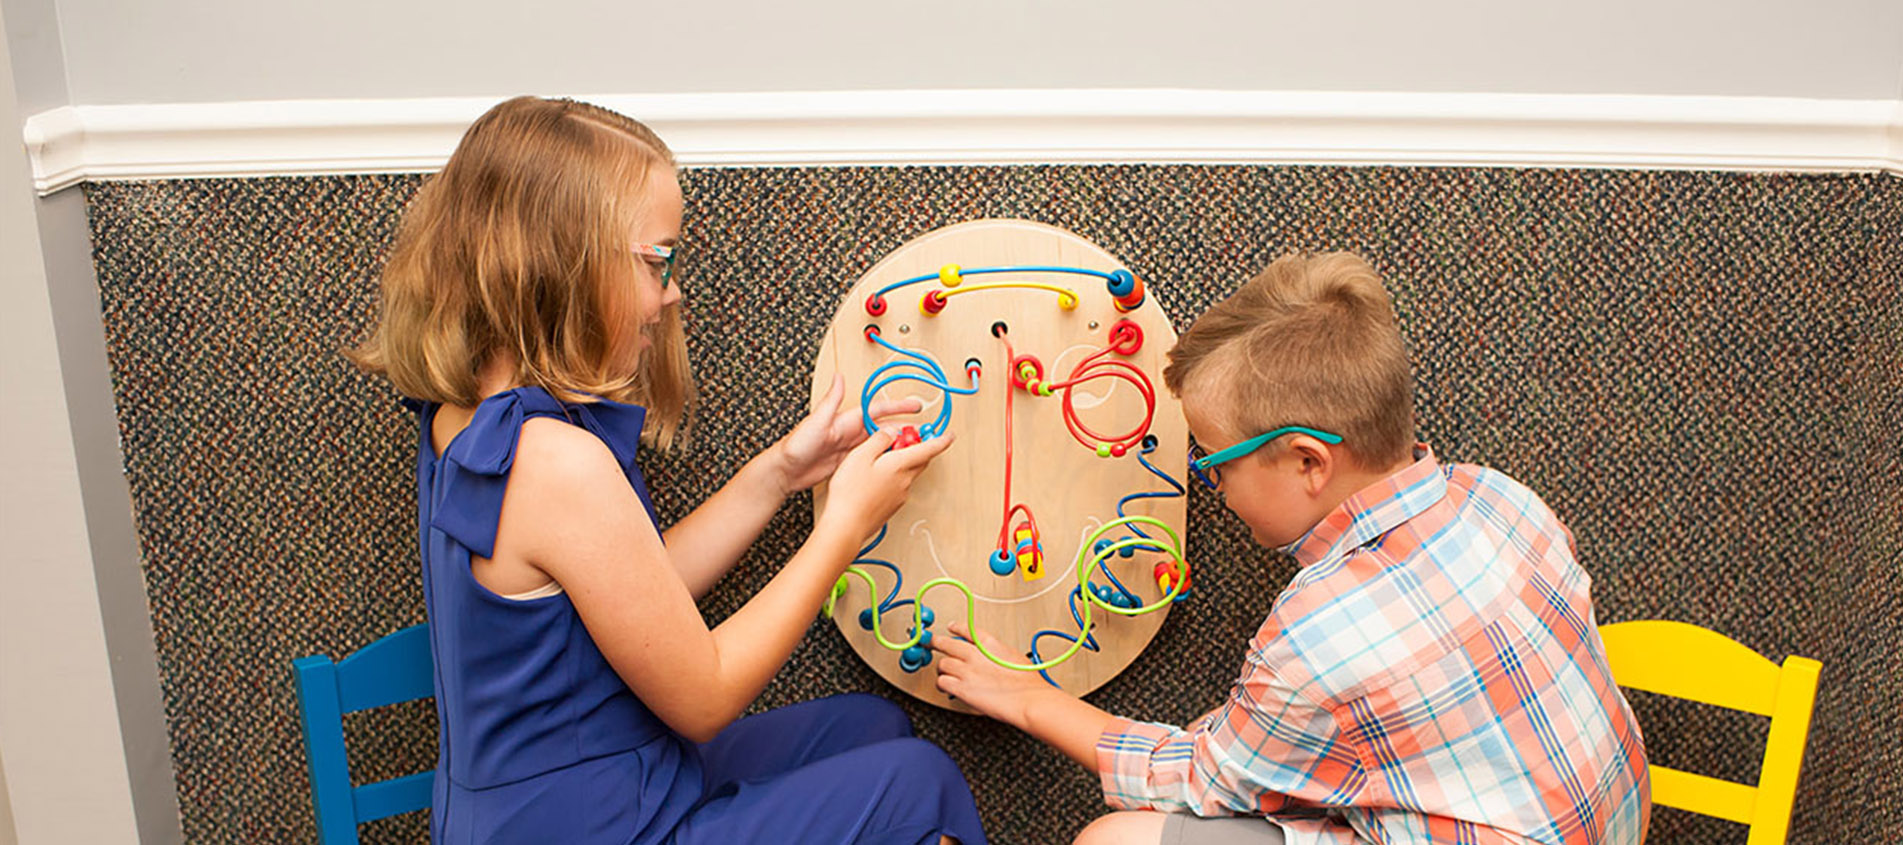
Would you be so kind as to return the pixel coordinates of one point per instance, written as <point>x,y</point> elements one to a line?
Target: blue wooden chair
<point>392,670</point>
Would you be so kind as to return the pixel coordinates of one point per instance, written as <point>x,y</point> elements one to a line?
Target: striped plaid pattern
<point>1432,674</point>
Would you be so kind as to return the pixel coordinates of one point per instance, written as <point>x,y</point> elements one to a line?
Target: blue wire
<point>918,361</point>
<point>1157,494</point>
<point>897,576</point>
<point>875,542</point>
<point>1090,640</point>
<point>897,582</point>
<point>979,271</point>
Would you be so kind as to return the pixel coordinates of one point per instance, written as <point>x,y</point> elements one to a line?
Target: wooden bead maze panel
<point>1045,355</point>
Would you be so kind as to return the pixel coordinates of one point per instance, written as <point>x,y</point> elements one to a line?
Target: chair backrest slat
<point>395,796</point>
<point>393,669</point>
<point>389,671</point>
<point>1689,662</point>
<point>1703,794</point>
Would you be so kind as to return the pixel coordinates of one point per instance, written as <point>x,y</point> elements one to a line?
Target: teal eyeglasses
<point>664,253</point>
<point>1204,465</point>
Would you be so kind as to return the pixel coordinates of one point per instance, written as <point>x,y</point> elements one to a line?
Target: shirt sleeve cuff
<point>1123,761</point>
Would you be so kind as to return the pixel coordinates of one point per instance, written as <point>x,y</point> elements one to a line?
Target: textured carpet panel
<point>1698,371</point>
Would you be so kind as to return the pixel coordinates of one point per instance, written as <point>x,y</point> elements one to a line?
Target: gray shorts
<point>1185,829</point>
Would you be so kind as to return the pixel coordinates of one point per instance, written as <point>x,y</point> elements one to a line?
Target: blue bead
<point>1120,600</point>
<point>1121,283</point>
<point>1128,551</point>
<point>1098,547</point>
<point>925,640</point>
<point>927,614</point>
<point>1001,565</point>
<point>914,659</point>
<point>865,619</point>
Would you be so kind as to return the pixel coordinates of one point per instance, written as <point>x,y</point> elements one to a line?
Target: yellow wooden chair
<point>1689,662</point>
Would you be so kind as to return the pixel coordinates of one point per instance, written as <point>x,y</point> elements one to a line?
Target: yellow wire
<point>1066,298</point>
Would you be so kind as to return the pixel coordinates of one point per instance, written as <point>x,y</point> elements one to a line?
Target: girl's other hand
<point>871,483</point>
<point>964,673</point>
<point>811,452</point>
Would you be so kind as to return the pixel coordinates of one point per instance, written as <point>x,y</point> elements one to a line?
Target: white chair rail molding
<point>73,144</point>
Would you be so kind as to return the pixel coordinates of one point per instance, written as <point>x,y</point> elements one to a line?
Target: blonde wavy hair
<point>521,245</point>
<point>1311,341</point>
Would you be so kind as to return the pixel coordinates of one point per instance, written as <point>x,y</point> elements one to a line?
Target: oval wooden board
<point>951,522</point>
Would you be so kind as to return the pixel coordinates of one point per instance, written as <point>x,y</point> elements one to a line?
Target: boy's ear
<point>1318,462</point>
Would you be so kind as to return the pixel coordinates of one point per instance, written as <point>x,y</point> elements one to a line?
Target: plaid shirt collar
<point>1374,510</point>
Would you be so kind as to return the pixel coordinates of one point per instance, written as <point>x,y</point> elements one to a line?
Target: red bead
<point>1118,450</point>
<point>1126,337</point>
<point>875,305</point>
<point>933,302</point>
<point>908,436</point>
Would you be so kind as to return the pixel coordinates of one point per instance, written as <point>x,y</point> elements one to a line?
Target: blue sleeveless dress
<point>540,741</point>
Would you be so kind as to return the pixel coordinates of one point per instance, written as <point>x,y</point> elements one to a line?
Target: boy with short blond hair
<point>1433,673</point>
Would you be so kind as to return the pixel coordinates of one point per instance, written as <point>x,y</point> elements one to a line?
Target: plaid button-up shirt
<point>1432,674</point>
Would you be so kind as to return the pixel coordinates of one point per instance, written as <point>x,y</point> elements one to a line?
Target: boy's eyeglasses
<point>664,253</point>
<point>1204,464</point>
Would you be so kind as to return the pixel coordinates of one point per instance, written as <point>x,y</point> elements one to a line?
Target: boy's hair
<point>1310,341</point>
<point>517,246</point>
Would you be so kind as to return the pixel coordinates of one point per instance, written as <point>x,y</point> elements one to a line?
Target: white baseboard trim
<point>74,144</point>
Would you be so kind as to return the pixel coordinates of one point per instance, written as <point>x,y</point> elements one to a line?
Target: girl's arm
<point>570,513</point>
<point>706,544</point>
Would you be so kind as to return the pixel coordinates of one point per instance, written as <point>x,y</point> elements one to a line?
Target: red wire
<point>1004,524</point>
<point>1083,433</point>
<point>1081,374</point>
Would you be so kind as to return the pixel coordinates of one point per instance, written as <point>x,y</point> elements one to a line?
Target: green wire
<point>1086,561</point>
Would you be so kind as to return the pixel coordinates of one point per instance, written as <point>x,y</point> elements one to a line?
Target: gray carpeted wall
<point>1699,371</point>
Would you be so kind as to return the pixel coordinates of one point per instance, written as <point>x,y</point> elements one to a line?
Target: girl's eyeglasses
<point>1204,464</point>
<point>666,254</point>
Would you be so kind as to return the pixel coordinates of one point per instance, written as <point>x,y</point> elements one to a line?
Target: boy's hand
<point>1007,695</point>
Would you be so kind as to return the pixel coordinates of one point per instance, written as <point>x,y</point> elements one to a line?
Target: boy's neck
<point>1351,480</point>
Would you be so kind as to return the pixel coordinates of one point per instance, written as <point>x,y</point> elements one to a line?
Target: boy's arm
<point>1261,748</point>
<point>1064,722</point>
<point>1019,699</point>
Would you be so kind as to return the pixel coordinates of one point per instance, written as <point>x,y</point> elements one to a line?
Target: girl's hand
<point>1007,695</point>
<point>813,449</point>
<point>872,483</point>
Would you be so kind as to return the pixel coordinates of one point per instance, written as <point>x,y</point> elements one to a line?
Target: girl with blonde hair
<point>530,308</point>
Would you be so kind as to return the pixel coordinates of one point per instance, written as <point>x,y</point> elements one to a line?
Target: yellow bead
<point>949,274</point>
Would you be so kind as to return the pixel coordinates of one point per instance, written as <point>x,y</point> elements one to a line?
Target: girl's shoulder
<point>555,448</point>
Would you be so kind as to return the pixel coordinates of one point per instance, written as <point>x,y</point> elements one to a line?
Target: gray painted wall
<point>59,728</point>
<point>219,50</point>
<point>65,591</point>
